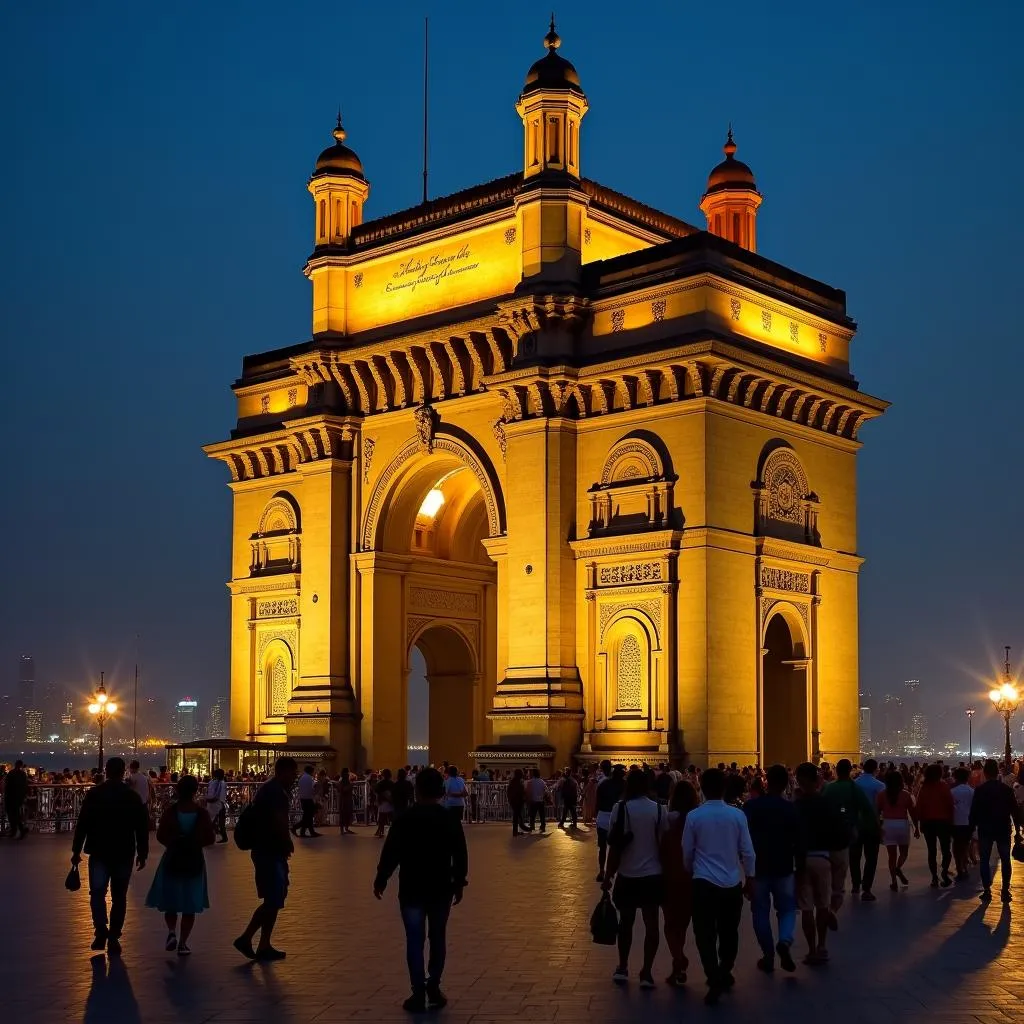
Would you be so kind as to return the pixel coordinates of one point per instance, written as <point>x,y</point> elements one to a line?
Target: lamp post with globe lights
<point>1006,699</point>
<point>970,712</point>
<point>102,708</point>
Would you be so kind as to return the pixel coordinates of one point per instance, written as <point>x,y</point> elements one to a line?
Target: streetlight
<point>102,708</point>
<point>1006,699</point>
<point>970,736</point>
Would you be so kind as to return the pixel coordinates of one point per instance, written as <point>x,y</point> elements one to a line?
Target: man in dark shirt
<point>113,828</point>
<point>609,793</point>
<point>15,795</point>
<point>402,793</point>
<point>822,832</point>
<point>271,848</point>
<point>994,813</point>
<point>775,833</point>
<point>428,847</point>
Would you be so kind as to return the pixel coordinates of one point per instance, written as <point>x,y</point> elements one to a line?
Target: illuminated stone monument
<point>598,464</point>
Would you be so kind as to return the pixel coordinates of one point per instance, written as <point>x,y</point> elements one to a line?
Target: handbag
<point>604,922</point>
<point>74,880</point>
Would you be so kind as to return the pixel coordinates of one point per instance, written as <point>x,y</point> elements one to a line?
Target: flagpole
<point>426,60</point>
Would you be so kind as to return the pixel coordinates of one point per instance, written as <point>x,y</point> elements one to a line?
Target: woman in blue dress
<point>179,886</point>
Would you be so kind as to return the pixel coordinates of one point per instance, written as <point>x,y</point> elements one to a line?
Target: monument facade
<point>597,463</point>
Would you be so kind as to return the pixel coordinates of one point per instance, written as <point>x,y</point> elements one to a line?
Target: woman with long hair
<point>179,885</point>
<point>935,815</point>
<point>677,899</point>
<point>897,810</point>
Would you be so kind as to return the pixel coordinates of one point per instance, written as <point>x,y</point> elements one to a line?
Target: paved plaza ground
<point>519,949</point>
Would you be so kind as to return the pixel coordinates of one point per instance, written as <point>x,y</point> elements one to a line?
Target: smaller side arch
<point>794,619</point>
<point>276,678</point>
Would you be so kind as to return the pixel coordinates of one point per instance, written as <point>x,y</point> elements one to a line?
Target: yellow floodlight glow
<point>101,697</point>
<point>1009,691</point>
<point>432,503</point>
<point>995,695</point>
<point>94,709</point>
<point>111,708</point>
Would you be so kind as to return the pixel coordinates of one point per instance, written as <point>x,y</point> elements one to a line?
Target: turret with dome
<point>731,200</point>
<point>339,189</point>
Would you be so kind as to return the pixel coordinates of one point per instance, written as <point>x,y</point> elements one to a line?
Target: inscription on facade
<point>785,579</point>
<point>417,272</point>
<point>452,602</point>
<point>279,606</point>
<point>634,572</point>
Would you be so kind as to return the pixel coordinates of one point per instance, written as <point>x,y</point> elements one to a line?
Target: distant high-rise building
<point>865,728</point>
<point>67,721</point>
<point>893,725</point>
<point>33,725</point>
<point>185,716</point>
<point>26,697</point>
<point>917,734</point>
<point>218,718</point>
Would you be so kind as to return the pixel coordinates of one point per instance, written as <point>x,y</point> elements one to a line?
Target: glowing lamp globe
<point>94,709</point>
<point>995,695</point>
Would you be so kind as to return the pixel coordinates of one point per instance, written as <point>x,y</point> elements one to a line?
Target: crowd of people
<point>674,847</point>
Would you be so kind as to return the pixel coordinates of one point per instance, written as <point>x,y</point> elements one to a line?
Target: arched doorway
<point>783,695</point>
<point>452,678</point>
<point>429,580</point>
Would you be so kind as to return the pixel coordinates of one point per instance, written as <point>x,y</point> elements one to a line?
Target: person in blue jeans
<point>775,832</point>
<point>428,847</point>
<point>994,813</point>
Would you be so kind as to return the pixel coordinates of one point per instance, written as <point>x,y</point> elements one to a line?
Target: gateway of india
<point>598,464</point>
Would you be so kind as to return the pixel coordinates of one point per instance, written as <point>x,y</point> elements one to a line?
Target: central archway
<point>452,676</point>
<point>784,694</point>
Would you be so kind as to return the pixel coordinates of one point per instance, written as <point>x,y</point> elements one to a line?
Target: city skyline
<point>848,203</point>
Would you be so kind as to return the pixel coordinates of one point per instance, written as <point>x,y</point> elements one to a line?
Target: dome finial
<point>339,132</point>
<point>730,144</point>
<point>552,40</point>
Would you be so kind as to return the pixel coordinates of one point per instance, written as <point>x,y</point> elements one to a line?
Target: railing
<point>55,808</point>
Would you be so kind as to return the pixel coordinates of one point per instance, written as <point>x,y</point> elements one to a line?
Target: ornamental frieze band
<point>283,606</point>
<point>634,572</point>
<point>785,579</point>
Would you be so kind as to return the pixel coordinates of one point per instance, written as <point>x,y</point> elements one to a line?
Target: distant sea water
<point>57,757</point>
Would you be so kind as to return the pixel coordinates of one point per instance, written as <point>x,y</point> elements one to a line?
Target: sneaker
<point>946,881</point>
<point>620,976</point>
<point>786,961</point>
<point>315,835</point>
<point>766,964</point>
<point>244,946</point>
<point>183,949</point>
<point>646,979</point>
<point>270,954</point>
<point>677,979</point>
<point>416,1003</point>
<point>100,941</point>
<point>436,999</point>
<point>114,946</point>
<point>172,942</point>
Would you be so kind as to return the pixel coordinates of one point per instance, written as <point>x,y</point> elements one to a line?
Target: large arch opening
<point>432,583</point>
<point>450,676</point>
<point>784,694</point>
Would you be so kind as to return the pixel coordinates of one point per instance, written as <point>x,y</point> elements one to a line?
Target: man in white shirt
<point>455,793</point>
<point>718,852</point>
<point>139,781</point>
<point>536,796</point>
<point>963,794</point>
<point>307,792</point>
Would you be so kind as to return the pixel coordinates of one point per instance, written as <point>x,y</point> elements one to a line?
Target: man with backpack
<point>850,803</point>
<point>264,830</point>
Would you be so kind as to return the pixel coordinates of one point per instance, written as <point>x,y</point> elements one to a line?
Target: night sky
<point>155,221</point>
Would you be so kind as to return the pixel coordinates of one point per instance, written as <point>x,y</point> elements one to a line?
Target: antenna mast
<point>426,59</point>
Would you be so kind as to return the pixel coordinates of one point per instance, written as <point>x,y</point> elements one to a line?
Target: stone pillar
<point>539,700</point>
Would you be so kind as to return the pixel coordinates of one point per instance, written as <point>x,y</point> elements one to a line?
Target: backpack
<point>247,828</point>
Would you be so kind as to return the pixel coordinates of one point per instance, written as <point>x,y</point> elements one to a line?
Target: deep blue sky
<point>155,219</point>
